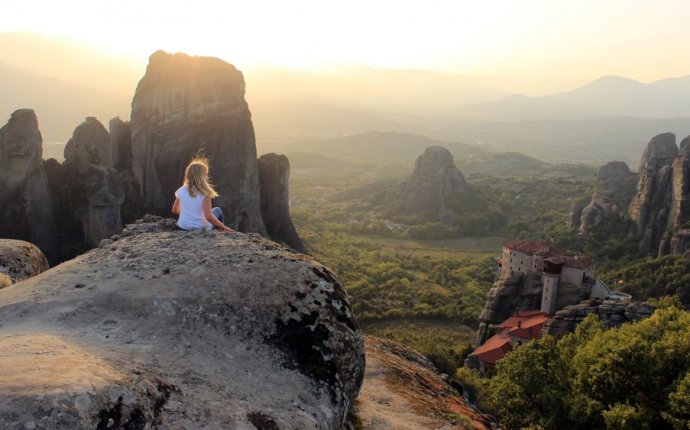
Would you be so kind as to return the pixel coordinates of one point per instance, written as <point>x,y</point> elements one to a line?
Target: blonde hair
<point>196,178</point>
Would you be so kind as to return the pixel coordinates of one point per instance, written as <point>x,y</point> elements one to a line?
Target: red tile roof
<point>552,254</point>
<point>497,346</point>
<point>493,349</point>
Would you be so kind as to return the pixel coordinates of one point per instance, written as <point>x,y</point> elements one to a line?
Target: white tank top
<point>191,210</point>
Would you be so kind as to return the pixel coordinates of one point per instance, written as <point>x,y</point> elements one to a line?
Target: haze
<point>581,40</point>
<point>598,79</point>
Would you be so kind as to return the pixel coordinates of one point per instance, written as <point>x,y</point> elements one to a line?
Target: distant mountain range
<point>611,117</point>
<point>610,96</point>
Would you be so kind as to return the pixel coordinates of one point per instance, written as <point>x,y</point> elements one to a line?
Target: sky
<point>582,39</point>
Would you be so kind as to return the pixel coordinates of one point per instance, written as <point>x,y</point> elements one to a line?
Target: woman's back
<point>191,210</point>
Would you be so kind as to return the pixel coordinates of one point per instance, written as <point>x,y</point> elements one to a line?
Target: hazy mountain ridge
<point>609,96</point>
<point>610,117</point>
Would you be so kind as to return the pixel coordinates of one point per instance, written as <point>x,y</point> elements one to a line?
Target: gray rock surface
<point>679,213</point>
<point>614,188</point>
<point>185,104</point>
<point>27,207</point>
<point>88,190</point>
<point>162,328</point>
<point>89,145</point>
<point>611,313</point>
<point>274,183</point>
<point>19,260</point>
<point>120,144</point>
<point>649,208</point>
<point>435,188</point>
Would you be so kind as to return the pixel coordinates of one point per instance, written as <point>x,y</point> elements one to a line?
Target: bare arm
<point>211,218</point>
<point>176,206</point>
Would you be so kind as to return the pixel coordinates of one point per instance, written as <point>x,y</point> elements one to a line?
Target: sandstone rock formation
<point>19,260</point>
<point>88,189</point>
<point>163,328</point>
<point>186,104</point>
<point>274,181</point>
<point>575,215</point>
<point>661,207</point>
<point>27,207</point>
<point>649,207</point>
<point>403,390</point>
<point>435,188</point>
<point>679,214</point>
<point>612,313</point>
<point>120,145</point>
<point>614,188</point>
<point>509,293</point>
<point>182,105</point>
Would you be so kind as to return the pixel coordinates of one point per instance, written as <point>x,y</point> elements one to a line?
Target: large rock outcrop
<point>435,189</point>
<point>185,104</point>
<point>274,182</point>
<point>27,207</point>
<point>661,207</point>
<point>614,188</point>
<point>19,260</point>
<point>649,208</point>
<point>679,214</point>
<point>87,190</point>
<point>611,312</point>
<point>164,328</point>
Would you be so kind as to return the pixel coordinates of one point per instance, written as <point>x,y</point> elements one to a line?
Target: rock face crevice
<point>210,316</point>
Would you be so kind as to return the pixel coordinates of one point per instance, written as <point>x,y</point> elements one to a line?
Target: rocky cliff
<point>162,328</point>
<point>185,104</point>
<point>436,187</point>
<point>274,182</point>
<point>517,291</point>
<point>660,207</point>
<point>614,189</point>
<point>27,207</point>
<point>182,105</point>
<point>611,313</point>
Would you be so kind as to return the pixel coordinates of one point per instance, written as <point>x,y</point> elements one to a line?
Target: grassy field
<point>470,248</point>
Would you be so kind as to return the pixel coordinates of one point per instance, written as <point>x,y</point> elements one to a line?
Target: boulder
<point>27,206</point>
<point>184,105</point>
<point>20,260</point>
<point>274,180</point>
<point>436,187</point>
<point>163,328</point>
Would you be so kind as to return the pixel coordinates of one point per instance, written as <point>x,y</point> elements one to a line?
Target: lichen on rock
<point>181,329</point>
